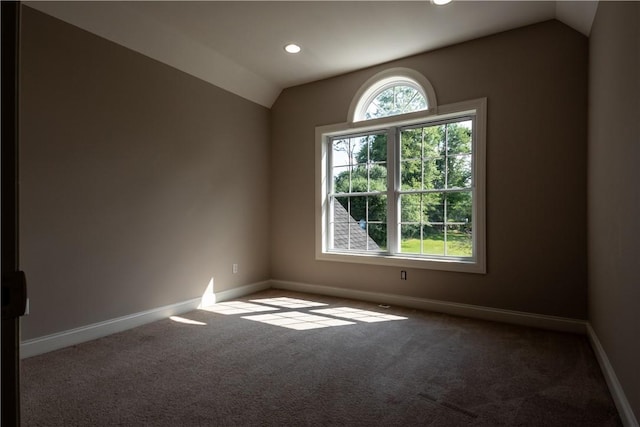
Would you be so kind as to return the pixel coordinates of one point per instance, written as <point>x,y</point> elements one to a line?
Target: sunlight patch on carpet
<point>359,315</point>
<point>298,320</point>
<point>186,321</point>
<point>288,302</point>
<point>237,307</point>
<point>308,318</point>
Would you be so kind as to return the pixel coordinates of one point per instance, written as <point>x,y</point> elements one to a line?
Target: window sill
<point>456,265</point>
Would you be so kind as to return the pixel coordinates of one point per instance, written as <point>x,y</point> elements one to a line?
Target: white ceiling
<point>238,45</point>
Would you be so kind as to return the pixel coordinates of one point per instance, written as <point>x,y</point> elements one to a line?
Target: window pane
<point>378,177</point>
<point>360,149</point>
<point>434,141</point>
<point>459,240</point>
<point>373,112</point>
<point>359,179</point>
<point>377,236</point>
<point>433,208</point>
<point>418,103</point>
<point>433,239</point>
<point>342,151</point>
<point>341,179</point>
<point>411,175</point>
<point>411,144</point>
<point>411,242</point>
<point>384,104</point>
<point>376,149</point>
<point>459,171</point>
<point>340,232</point>
<point>340,208</point>
<point>377,208</point>
<point>358,209</point>
<point>411,208</point>
<point>459,224</point>
<point>339,213</point>
<point>404,95</point>
<point>434,172</point>
<point>350,228</point>
<point>459,207</point>
<point>340,223</point>
<point>422,175</point>
<point>459,137</point>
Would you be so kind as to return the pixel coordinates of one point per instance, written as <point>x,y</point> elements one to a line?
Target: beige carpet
<point>305,360</point>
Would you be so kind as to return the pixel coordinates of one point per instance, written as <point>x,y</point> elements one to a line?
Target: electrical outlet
<point>403,275</point>
<point>235,268</point>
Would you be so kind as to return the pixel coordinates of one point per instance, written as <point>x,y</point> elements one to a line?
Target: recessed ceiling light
<point>292,48</point>
<point>440,2</point>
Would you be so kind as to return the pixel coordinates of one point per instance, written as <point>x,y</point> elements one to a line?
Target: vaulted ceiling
<point>238,45</point>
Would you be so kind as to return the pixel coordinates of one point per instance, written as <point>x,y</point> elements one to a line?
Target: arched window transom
<point>400,98</point>
<point>390,93</point>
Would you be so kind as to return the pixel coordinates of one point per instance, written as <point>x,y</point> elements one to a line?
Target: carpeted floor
<point>321,361</point>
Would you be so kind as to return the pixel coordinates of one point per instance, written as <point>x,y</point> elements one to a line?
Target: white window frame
<point>476,264</point>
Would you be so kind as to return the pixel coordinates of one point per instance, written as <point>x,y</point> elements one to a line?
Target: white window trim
<point>477,264</point>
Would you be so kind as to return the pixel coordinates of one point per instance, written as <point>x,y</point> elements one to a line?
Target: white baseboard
<point>619,397</point>
<point>45,344</point>
<point>554,323</point>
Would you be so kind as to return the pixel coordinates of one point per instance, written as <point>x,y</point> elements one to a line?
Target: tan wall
<point>535,80</point>
<point>138,183</point>
<point>614,195</point>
